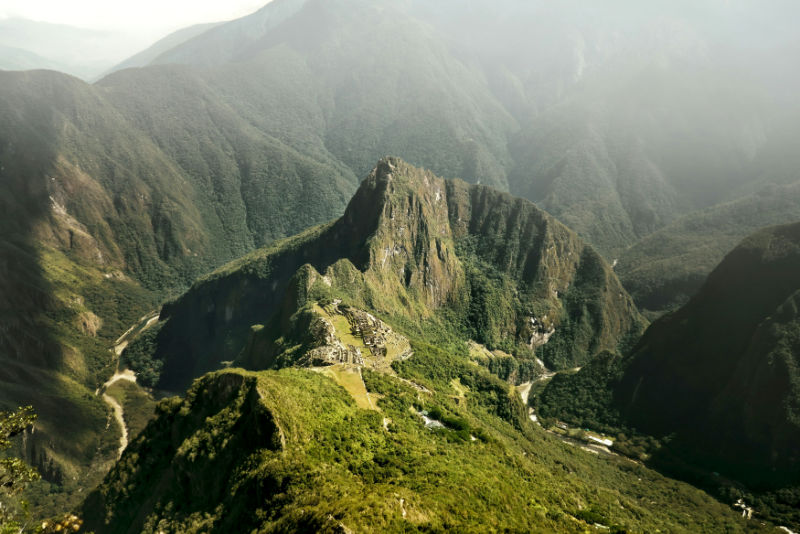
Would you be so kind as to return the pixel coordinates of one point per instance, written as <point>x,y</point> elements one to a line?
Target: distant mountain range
<point>87,54</point>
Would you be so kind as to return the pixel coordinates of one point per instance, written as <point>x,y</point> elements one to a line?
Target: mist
<point>504,214</point>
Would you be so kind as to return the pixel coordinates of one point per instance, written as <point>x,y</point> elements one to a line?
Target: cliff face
<point>412,242</point>
<point>413,247</point>
<point>567,303</point>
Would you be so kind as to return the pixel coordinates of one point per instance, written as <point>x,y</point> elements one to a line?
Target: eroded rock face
<point>540,332</point>
<point>414,243</point>
<point>89,323</point>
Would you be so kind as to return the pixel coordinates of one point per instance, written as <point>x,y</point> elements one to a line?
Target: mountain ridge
<point>716,380</point>
<point>413,246</point>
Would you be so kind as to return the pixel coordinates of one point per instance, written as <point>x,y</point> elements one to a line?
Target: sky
<point>140,16</point>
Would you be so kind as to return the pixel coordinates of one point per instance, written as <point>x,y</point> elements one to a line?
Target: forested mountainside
<point>99,222</point>
<point>292,451</point>
<point>378,411</point>
<point>614,124</point>
<point>728,362</point>
<point>720,375</point>
<point>119,194</point>
<point>663,270</point>
<point>477,263</point>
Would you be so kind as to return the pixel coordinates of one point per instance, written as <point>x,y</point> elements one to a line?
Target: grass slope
<point>286,451</point>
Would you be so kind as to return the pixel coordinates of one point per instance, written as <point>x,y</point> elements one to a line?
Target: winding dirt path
<point>127,374</point>
<point>118,415</point>
<point>116,407</point>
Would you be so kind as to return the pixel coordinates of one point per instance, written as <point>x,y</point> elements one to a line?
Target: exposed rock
<point>89,323</point>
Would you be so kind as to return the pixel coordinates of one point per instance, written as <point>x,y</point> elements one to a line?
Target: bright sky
<point>147,16</point>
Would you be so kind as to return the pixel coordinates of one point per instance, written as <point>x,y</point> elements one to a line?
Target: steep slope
<point>64,298</point>
<point>727,363</point>
<point>719,376</point>
<point>290,451</point>
<point>324,75</point>
<point>98,223</point>
<point>156,175</point>
<point>632,114</point>
<point>616,120</point>
<point>416,249</point>
<point>665,269</point>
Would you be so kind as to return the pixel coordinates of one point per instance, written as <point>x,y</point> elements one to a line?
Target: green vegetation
<point>14,473</point>
<point>716,381</point>
<point>281,462</point>
<point>254,451</point>
<point>583,399</point>
<point>139,357</point>
<point>663,270</point>
<point>117,195</point>
<point>350,379</point>
<point>431,255</point>
<point>138,406</point>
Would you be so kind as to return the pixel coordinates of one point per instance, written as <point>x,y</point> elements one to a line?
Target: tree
<point>15,474</point>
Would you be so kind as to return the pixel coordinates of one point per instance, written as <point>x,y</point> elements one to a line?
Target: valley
<point>326,328</point>
<point>375,266</point>
<point>117,410</point>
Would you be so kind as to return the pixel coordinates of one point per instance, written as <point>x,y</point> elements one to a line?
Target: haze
<point>146,16</point>
<point>425,265</point>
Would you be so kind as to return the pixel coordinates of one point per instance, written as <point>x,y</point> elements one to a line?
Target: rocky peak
<point>412,242</point>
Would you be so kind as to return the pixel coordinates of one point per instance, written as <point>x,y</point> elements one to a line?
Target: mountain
<point>142,182</point>
<point>719,376</point>
<point>148,55</point>
<point>98,225</point>
<point>407,95</point>
<point>119,194</point>
<point>608,122</point>
<point>631,114</point>
<point>374,414</point>
<point>728,363</point>
<point>12,58</point>
<point>292,451</point>
<point>419,249</point>
<point>663,270</point>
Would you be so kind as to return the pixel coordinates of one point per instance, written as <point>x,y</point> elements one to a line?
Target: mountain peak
<point>414,246</point>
